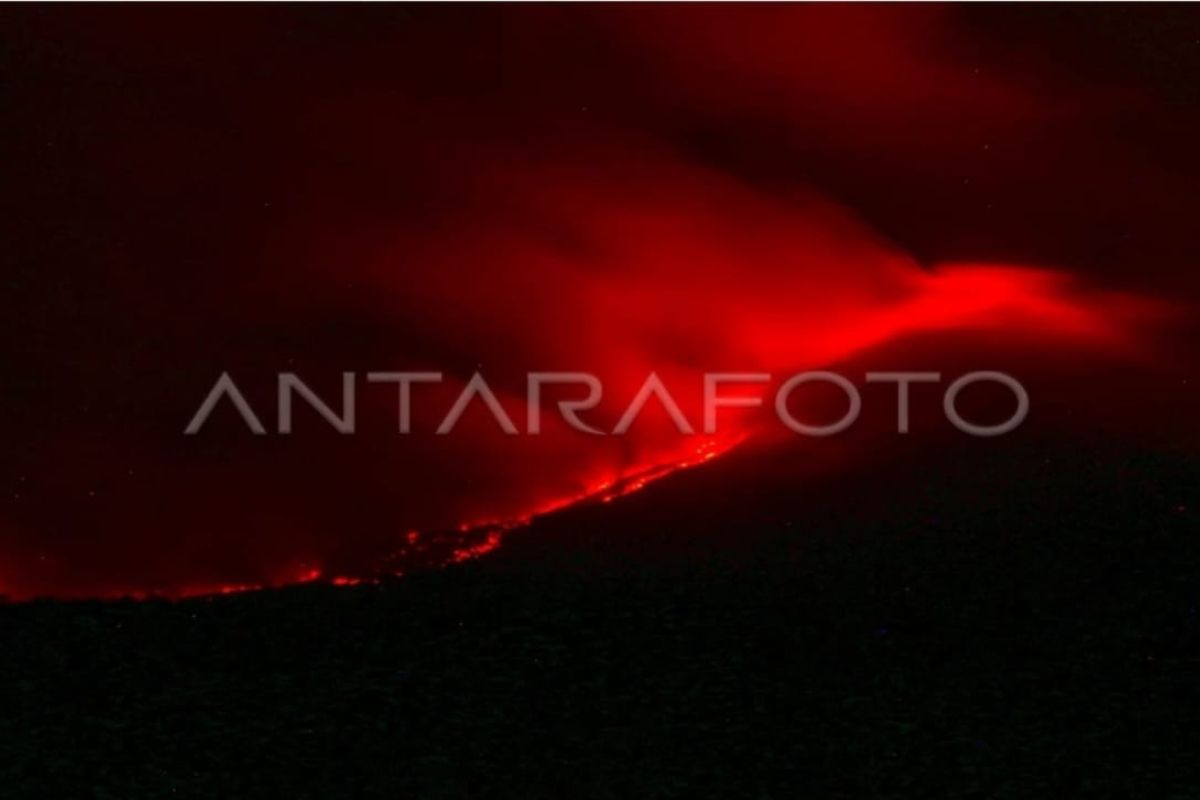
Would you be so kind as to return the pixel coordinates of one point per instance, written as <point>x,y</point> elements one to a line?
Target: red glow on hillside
<point>672,191</point>
<point>675,271</point>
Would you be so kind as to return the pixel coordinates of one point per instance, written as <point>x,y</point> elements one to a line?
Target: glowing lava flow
<point>488,534</point>
<point>1046,305</point>
<point>603,492</point>
<point>678,194</point>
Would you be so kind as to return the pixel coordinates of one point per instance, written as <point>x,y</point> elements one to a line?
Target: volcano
<point>585,194</point>
<point>599,401</point>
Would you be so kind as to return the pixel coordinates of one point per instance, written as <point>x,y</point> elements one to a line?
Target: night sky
<point>196,190</point>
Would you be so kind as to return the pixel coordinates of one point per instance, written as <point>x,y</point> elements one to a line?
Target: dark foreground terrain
<point>1040,640</point>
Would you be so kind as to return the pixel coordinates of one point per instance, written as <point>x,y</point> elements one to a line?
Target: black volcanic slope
<point>1035,640</point>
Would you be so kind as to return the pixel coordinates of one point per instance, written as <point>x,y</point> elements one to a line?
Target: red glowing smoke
<point>619,194</point>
